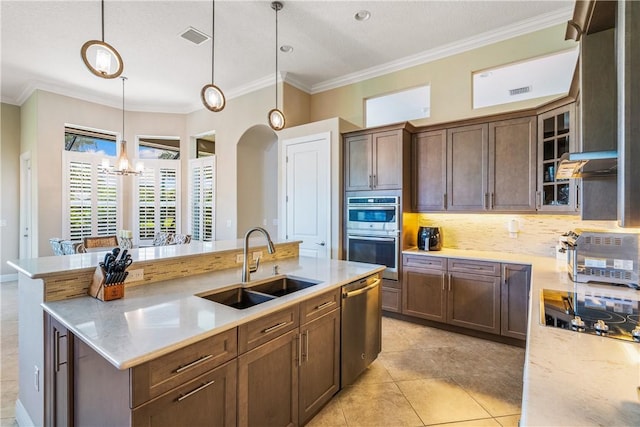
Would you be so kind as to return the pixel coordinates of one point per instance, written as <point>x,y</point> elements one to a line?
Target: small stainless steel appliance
<point>429,239</point>
<point>603,256</point>
<point>593,313</point>
<point>373,232</point>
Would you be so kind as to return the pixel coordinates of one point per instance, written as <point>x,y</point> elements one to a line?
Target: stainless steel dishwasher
<point>361,326</point>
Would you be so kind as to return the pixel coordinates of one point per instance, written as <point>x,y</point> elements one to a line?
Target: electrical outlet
<point>136,275</point>
<point>256,255</point>
<point>239,258</point>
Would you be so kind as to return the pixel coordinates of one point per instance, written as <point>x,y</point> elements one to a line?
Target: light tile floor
<point>424,376</point>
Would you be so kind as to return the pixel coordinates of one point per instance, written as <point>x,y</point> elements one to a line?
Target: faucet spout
<point>247,269</point>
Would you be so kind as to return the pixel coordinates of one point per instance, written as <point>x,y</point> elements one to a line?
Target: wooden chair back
<point>100,242</point>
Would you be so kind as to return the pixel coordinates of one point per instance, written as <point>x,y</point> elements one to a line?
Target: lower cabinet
<point>471,294</point>
<point>516,280</point>
<point>59,369</point>
<point>391,296</point>
<point>209,400</point>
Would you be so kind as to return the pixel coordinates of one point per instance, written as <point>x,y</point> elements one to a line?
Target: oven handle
<point>377,239</point>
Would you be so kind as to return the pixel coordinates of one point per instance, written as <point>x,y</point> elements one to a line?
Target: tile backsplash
<point>538,234</point>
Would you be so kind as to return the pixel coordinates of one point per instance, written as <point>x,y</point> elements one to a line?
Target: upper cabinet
<point>374,159</point>
<point>556,130</point>
<point>479,167</point>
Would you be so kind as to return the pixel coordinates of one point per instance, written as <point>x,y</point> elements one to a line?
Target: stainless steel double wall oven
<point>373,231</point>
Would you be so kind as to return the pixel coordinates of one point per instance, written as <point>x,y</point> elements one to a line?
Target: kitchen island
<point>570,379</point>
<point>158,315</point>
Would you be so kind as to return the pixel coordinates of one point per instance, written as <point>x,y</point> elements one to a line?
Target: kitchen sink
<point>239,298</point>
<point>283,286</point>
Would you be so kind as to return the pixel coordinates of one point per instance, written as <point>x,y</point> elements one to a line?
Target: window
<point>89,141</point>
<point>158,148</point>
<point>158,199</point>
<point>202,196</point>
<point>90,197</point>
<point>533,78</point>
<point>205,147</point>
<point>397,107</point>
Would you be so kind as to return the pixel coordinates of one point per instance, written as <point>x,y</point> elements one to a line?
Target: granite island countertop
<point>570,379</point>
<point>155,319</point>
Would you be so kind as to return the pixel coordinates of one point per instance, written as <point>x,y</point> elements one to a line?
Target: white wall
<point>9,188</point>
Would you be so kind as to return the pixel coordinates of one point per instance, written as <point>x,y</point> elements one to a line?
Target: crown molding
<point>485,39</point>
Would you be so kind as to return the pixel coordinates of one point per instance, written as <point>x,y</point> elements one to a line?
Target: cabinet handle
<point>577,197</point>
<point>449,282</point>
<point>299,349</point>
<point>375,181</point>
<point>194,363</point>
<point>486,200</point>
<point>324,304</point>
<point>306,345</point>
<point>192,392</point>
<point>443,281</point>
<point>444,200</point>
<point>370,181</point>
<point>493,200</point>
<point>538,199</point>
<point>56,350</point>
<point>274,327</point>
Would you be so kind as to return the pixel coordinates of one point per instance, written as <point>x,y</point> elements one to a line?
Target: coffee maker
<point>429,239</point>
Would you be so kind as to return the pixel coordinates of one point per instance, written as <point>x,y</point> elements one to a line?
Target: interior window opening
<point>158,148</point>
<point>89,141</point>
<point>401,106</point>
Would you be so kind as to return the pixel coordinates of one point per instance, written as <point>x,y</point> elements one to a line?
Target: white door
<point>26,234</point>
<point>308,203</point>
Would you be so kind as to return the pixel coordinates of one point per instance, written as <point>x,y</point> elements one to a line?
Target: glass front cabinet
<point>556,136</point>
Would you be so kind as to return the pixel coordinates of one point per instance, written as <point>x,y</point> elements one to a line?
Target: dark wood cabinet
<point>268,383</point>
<point>374,160</point>
<point>424,293</point>
<point>429,171</point>
<point>516,281</point>
<point>391,294</point>
<point>467,162</point>
<point>473,301</point>
<point>512,165</point>
<point>209,400</point>
<point>59,369</point>
<point>320,363</point>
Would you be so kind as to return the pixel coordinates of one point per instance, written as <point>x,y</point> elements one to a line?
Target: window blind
<point>202,198</point>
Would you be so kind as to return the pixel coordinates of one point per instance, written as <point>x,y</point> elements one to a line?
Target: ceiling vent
<point>519,90</point>
<point>194,36</point>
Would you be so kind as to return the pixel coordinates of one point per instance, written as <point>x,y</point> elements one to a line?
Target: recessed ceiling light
<point>286,48</point>
<point>362,15</point>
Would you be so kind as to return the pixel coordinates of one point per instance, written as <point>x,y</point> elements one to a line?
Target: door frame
<point>284,144</point>
<point>26,207</point>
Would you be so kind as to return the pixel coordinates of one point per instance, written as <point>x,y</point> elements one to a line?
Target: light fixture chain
<point>213,38</point>
<point>102,7</point>
<point>277,8</point>
<point>123,79</point>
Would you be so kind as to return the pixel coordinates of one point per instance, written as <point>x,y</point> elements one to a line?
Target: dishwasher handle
<point>361,290</point>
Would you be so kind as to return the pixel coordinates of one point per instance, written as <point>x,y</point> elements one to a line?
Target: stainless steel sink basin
<point>283,286</point>
<point>239,298</point>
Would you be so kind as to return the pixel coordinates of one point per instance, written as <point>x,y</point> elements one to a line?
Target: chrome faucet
<point>247,269</point>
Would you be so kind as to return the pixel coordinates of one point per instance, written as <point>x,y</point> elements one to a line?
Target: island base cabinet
<point>515,300</point>
<point>320,368</point>
<point>474,302</point>
<point>209,400</point>
<point>268,383</point>
<point>59,369</point>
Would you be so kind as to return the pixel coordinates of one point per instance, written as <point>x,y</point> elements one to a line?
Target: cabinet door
<point>357,162</point>
<point>512,164</point>
<point>391,294</point>
<point>424,294</point>
<point>268,383</point>
<point>209,400</point>
<point>59,372</point>
<point>467,162</point>
<point>516,280</point>
<point>474,302</point>
<point>320,369</point>
<point>429,152</point>
<point>387,160</point>
<point>556,130</point>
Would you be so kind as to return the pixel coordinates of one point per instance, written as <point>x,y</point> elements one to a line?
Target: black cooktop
<point>596,314</point>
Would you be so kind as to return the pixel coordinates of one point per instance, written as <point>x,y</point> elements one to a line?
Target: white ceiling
<point>41,41</point>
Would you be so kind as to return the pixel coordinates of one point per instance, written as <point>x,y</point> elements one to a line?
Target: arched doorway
<point>257,180</point>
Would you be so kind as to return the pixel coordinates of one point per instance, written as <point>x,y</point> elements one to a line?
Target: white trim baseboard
<point>8,277</point>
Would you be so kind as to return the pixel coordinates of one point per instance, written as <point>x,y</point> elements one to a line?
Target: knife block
<point>101,290</point>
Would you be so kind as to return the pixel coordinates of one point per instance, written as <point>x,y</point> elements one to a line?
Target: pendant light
<point>101,58</point>
<point>123,166</point>
<point>276,117</point>
<point>211,95</point>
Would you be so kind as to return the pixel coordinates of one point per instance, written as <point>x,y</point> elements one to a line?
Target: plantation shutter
<point>202,187</point>
<point>90,197</point>
<point>158,199</point>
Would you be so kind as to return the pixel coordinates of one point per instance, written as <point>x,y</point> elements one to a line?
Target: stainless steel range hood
<point>589,164</point>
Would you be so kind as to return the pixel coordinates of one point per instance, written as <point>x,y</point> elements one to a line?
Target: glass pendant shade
<point>276,119</point>
<point>101,58</point>
<point>213,98</point>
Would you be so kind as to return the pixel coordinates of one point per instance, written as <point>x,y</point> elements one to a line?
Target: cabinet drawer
<point>259,331</point>
<point>424,261</point>
<point>319,305</point>
<point>160,375</point>
<point>486,268</point>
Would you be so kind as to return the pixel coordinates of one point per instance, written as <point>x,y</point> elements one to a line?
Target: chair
<point>70,247</point>
<point>100,242</point>
<point>163,238</point>
<point>56,245</point>
<point>181,239</point>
